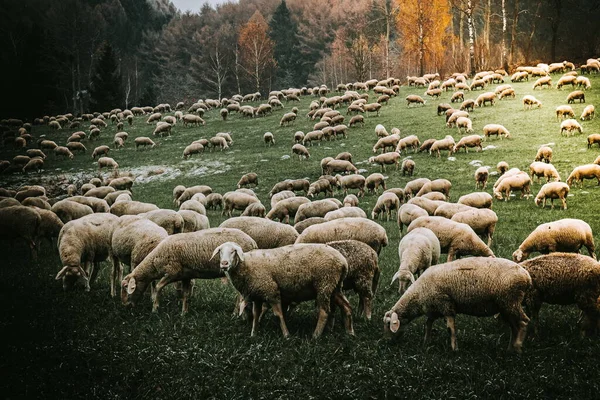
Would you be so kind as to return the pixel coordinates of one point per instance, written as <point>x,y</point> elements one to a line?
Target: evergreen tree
<point>284,34</point>
<point>106,92</point>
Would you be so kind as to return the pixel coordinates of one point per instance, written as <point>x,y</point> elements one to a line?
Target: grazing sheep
<point>262,276</point>
<point>75,146</point>
<point>437,185</point>
<point>374,181</point>
<point>502,167</point>
<point>563,112</point>
<point>144,141</point>
<point>287,119</point>
<point>451,121</point>
<point>363,272</point>
<point>408,167</point>
<point>488,97</point>
<point>68,210</point>
<point>63,152</point>
<point>320,186</point>
<point>426,204</point>
<point>412,187</point>
<point>82,244</point>
<point>248,179</point>
<point>193,222</point>
<point>180,257</point>
<point>593,139</point>
<point>97,205</point>
<point>456,238</point>
<point>543,81</point>
<point>162,128</point>
<point>447,143</point>
<point>187,193</point>
<point>301,151</point>
<point>541,169</point>
<point>576,95</point>
<point>380,131</point>
<point>589,112</point>
<point>481,177</point>
<point>481,220</point>
<point>35,164</point>
<point>495,129</point>
<point>414,99</point>
<point>569,126</point>
<point>122,183</point>
<point>191,119</point>
<point>544,154</point>
<point>468,141</point>
<point>37,202</point>
<point>553,190</point>
<point>408,213</point>
<point>350,201</point>
<point>318,208</point>
<point>386,159</point>
<point>587,171</point>
<point>351,182</point>
<point>386,203</point>
<point>417,251</point>
<point>530,101</point>
<point>108,163</point>
<point>236,201</point>
<point>266,233</point>
<point>132,240</point>
<point>254,210</point>
<point>361,229</point>
<point>269,139</point>
<point>340,166</point>
<point>520,181</point>
<point>21,222</point>
<point>131,208</point>
<point>99,192</point>
<point>171,221</point>
<point>563,235</point>
<point>564,278</point>
<point>447,289</point>
<point>411,141</point>
<point>345,212</point>
<point>510,92</point>
<point>464,123</point>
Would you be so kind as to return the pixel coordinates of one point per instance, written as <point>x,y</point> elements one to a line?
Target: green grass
<point>75,345</point>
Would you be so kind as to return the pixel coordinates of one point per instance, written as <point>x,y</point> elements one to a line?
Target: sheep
<point>520,181</point>
<point>427,204</point>
<point>530,101</point>
<point>188,193</point>
<point>192,221</point>
<point>162,128</point>
<point>457,96</point>
<point>266,233</point>
<point>413,187</point>
<point>30,191</point>
<point>9,202</point>
<point>488,97</point>
<point>109,163</point>
<point>180,257</point>
<point>36,153</point>
<point>468,141</point>
<point>254,210</point>
<point>374,181</point>
<point>543,81</point>
<point>153,118</point>
<point>47,145</point>
<point>414,99</point>
<point>544,154</point>
<point>171,221</point>
<point>363,271</point>
<point>380,131</point>
<point>345,212</point>
<point>248,179</point>
<point>411,141</point>
<point>99,192</point>
<point>262,277</point>
<point>340,166</point>
<point>464,123</point>
<point>97,205</point>
<point>481,177</point>
<point>417,251</point>
<point>67,210</point>
<point>541,169</point>
<point>50,225</point>
<point>568,126</point>
<point>453,118</point>
<point>589,112</point>
<point>35,202</point>
<point>481,220</point>
<point>447,289</point>
<point>386,159</point>
<point>442,108</point>
<point>144,141</point>
<point>361,229</point>
<point>131,208</point>
<point>300,151</point>
<point>563,235</point>
<point>82,244</point>
<point>408,167</point>
<point>502,167</point>
<point>593,139</point>
<point>552,190</point>
<point>236,201</point>
<point>21,222</point>
<point>63,152</point>
<point>386,203</point>
<point>132,240</point>
<point>372,107</point>
<point>587,171</point>
<point>269,139</point>
<point>408,213</point>
<point>456,238</point>
<point>566,80</point>
<point>350,201</point>
<point>564,278</point>
<point>191,119</point>
<point>224,113</point>
<point>76,146</point>
<point>214,201</point>
<point>318,208</point>
<point>287,119</point>
<point>447,143</point>
<point>576,95</point>
<point>35,163</point>
<point>193,205</point>
<point>437,185</point>
<point>509,92</point>
<point>495,129</point>
<point>351,182</point>
<point>280,186</point>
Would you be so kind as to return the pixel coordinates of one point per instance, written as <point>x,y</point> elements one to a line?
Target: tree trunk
<point>421,39</point>
<point>485,59</point>
<point>237,69</point>
<point>504,60</point>
<point>532,33</point>
<point>555,25</point>
<point>513,32</point>
<point>471,26</point>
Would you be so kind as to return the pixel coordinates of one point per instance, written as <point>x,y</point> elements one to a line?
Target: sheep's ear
<point>239,252</point>
<point>243,305</point>
<point>395,277</point>
<point>131,286</point>
<point>394,323</point>
<point>217,250</point>
<point>61,273</point>
<point>411,277</point>
<point>82,272</point>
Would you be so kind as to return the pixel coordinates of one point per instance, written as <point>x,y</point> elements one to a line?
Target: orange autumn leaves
<point>256,49</point>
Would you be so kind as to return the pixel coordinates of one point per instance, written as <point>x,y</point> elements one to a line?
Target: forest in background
<point>94,55</point>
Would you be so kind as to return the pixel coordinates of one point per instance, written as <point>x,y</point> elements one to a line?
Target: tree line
<point>81,55</point>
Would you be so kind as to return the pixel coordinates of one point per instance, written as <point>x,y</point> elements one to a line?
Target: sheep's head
<point>72,276</point>
<point>231,254</point>
<point>391,322</point>
<point>405,278</point>
<point>519,256</point>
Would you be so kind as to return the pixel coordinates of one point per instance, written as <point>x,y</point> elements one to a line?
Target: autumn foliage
<point>256,49</point>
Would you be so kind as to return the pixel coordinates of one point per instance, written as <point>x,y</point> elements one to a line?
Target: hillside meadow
<point>76,344</point>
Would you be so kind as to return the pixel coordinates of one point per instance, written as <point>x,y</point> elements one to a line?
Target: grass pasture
<point>76,345</point>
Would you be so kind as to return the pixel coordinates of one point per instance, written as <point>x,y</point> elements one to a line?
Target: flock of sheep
<point>309,249</point>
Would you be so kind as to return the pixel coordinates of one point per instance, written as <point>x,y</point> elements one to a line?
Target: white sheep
<point>586,171</point>
<point>345,212</point>
<point>447,289</point>
<point>553,190</point>
<point>264,277</point>
<point>386,203</point>
<point>569,126</point>
<point>542,169</point>
<point>481,220</point>
<point>417,251</point>
<point>266,233</point>
<point>408,213</point>
<point>20,222</point>
<point>566,235</point>
<point>588,113</point>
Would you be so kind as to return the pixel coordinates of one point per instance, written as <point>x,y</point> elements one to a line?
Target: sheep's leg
<point>564,203</point>
<point>117,276</point>
<point>589,245</point>
<point>428,329</point>
<point>452,331</point>
<point>186,289</point>
<point>451,254</point>
<point>277,310</point>
<point>324,309</point>
<point>256,314</point>
<point>164,281</point>
<point>341,301</point>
